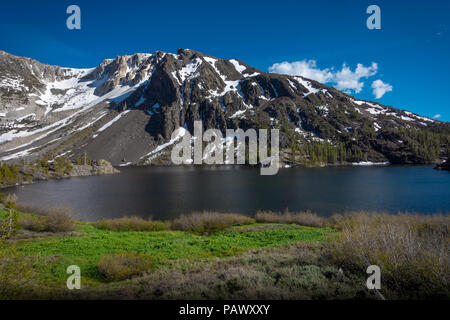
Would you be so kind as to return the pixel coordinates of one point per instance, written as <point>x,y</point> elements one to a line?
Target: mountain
<point>126,109</point>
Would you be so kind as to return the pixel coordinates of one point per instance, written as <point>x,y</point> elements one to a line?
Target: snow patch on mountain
<point>110,123</point>
<point>70,93</point>
<point>187,72</point>
<point>307,85</point>
<point>14,83</point>
<point>178,134</point>
<point>239,68</point>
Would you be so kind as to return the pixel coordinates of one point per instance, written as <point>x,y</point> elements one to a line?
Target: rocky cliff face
<point>126,109</point>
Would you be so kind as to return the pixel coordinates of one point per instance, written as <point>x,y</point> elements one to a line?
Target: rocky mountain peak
<point>128,106</point>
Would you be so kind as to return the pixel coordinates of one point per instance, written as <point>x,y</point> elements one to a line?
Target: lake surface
<point>166,192</point>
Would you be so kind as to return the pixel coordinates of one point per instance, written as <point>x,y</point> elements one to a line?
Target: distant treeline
<point>9,173</point>
<point>425,146</point>
<point>45,167</point>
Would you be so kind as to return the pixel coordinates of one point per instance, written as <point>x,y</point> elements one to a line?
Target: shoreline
<point>104,168</point>
<point>117,168</point>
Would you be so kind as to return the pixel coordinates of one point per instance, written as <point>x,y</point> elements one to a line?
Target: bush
<point>62,166</point>
<point>123,266</point>
<point>295,271</point>
<point>9,226</point>
<point>55,220</point>
<point>9,173</point>
<point>16,275</point>
<point>209,222</point>
<point>412,251</point>
<point>300,218</point>
<point>130,224</point>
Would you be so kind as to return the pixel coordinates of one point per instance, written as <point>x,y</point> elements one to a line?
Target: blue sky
<point>411,51</point>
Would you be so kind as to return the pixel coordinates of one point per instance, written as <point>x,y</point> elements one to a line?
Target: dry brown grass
<point>306,218</point>
<point>412,250</point>
<point>130,224</point>
<point>209,222</point>
<point>52,220</point>
<point>288,272</point>
<point>31,209</point>
<point>199,222</point>
<point>118,267</point>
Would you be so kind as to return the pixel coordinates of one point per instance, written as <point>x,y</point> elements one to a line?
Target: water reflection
<point>166,192</point>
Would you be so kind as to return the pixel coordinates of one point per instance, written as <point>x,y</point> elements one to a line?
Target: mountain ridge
<point>125,108</point>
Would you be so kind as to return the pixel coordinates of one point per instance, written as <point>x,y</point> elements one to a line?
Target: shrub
<point>9,173</point>
<point>59,220</point>
<point>8,227</point>
<point>123,266</point>
<point>209,222</point>
<point>16,275</point>
<point>55,220</point>
<point>301,218</point>
<point>412,251</point>
<point>31,209</point>
<point>130,224</point>
<point>288,272</point>
<point>2,197</point>
<point>62,166</point>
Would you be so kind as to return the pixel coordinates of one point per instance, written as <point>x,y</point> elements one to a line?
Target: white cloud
<point>380,88</point>
<point>345,79</point>
<point>437,116</point>
<point>305,68</point>
<point>348,80</point>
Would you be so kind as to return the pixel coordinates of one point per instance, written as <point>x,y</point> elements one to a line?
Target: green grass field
<point>54,254</point>
<point>228,256</point>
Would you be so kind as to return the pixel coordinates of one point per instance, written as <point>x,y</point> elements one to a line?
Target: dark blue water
<point>166,192</point>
